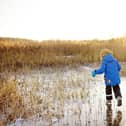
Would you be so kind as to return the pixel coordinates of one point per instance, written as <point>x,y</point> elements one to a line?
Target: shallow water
<point>89,110</point>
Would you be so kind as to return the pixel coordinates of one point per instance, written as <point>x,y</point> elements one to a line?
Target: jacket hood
<point>105,52</point>
<point>108,58</point>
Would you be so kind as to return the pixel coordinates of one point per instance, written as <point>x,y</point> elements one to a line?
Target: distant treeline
<point>28,54</point>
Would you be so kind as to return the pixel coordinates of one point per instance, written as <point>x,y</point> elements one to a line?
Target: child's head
<point>104,52</point>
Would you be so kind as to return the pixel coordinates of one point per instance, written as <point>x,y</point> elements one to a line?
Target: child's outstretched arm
<point>100,70</point>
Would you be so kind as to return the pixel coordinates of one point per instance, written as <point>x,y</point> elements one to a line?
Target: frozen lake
<point>68,97</point>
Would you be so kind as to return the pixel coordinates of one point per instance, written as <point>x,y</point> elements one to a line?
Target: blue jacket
<point>110,67</point>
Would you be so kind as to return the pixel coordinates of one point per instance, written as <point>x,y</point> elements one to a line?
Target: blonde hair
<point>104,52</point>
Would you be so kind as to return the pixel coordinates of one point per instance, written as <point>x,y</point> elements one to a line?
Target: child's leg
<point>108,96</point>
<point>117,91</point>
<point>108,93</point>
<point>118,95</point>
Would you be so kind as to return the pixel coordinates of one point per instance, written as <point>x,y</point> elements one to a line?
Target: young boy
<point>111,68</point>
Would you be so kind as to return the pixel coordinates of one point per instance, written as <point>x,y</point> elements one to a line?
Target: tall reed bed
<point>21,53</point>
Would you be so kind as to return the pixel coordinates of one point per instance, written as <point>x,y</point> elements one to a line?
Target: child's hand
<point>93,73</point>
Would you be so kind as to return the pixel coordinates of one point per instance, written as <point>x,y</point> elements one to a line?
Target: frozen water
<point>90,110</point>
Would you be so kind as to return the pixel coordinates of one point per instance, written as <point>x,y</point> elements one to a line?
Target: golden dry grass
<point>22,53</point>
<point>11,103</point>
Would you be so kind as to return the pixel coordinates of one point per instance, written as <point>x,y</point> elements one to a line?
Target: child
<point>111,68</point>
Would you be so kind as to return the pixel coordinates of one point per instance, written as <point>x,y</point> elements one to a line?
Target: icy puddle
<point>68,97</point>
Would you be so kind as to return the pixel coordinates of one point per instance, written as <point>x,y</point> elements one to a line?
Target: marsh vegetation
<point>49,83</point>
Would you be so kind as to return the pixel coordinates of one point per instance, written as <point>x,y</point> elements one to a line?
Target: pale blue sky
<point>62,19</point>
